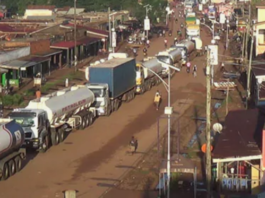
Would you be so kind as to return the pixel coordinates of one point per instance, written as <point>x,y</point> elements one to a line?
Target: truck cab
<point>102,100</point>
<point>34,123</point>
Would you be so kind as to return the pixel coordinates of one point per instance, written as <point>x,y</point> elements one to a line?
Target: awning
<point>48,53</point>
<point>89,40</point>
<point>23,63</point>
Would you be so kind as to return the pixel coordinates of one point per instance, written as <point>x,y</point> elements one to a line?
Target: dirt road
<point>89,158</point>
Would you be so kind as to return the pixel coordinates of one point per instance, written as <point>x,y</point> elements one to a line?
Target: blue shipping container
<point>119,74</point>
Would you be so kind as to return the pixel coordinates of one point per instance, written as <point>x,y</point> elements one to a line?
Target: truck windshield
<point>24,119</point>
<point>99,92</point>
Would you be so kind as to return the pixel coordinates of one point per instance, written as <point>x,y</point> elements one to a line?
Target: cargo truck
<point>145,77</point>
<point>190,20</point>
<point>112,82</point>
<point>49,117</point>
<point>11,151</point>
<point>189,49</point>
<point>193,31</point>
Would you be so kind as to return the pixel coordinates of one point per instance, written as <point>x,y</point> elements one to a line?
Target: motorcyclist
<point>182,25</point>
<point>170,33</point>
<point>145,51</point>
<point>175,40</point>
<point>165,42</point>
<point>134,52</point>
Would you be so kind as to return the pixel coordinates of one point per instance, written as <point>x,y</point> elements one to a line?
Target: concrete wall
<point>261,15</point>
<point>260,39</point>
<point>15,54</point>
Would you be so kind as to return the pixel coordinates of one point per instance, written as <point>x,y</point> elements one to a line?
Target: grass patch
<point>48,86</point>
<point>9,100</point>
<point>29,92</point>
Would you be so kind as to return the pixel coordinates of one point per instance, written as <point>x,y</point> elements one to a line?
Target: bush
<point>17,99</point>
<point>29,92</point>
<point>7,100</point>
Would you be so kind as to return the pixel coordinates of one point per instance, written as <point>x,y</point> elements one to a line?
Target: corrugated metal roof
<point>17,28</point>
<point>41,17</point>
<point>92,30</point>
<point>71,44</point>
<point>258,70</point>
<point>242,134</point>
<point>48,53</point>
<point>40,7</point>
<point>23,62</point>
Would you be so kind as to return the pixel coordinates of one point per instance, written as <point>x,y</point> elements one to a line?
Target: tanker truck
<point>145,77</point>
<point>11,151</point>
<point>112,82</point>
<point>171,56</point>
<point>189,49</point>
<point>45,120</point>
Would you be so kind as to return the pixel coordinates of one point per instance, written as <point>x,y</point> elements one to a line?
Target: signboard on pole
<point>200,7</point>
<point>213,54</point>
<point>222,18</point>
<point>113,39</point>
<point>147,24</point>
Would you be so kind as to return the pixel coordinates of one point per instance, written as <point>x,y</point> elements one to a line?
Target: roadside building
<point>239,153</point>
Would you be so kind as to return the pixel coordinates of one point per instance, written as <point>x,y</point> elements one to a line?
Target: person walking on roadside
<point>222,67</point>
<point>175,41</point>
<point>148,43</point>
<point>157,100</point>
<point>132,144</point>
<point>165,42</point>
<point>188,67</point>
<point>195,70</point>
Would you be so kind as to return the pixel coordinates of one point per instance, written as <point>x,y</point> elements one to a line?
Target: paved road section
<point>91,160</point>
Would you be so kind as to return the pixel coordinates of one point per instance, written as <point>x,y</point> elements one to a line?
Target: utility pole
<point>208,125</point>
<point>109,30</point>
<point>249,70</point>
<point>75,50</point>
<point>147,9</point>
<point>248,29</point>
<point>227,97</point>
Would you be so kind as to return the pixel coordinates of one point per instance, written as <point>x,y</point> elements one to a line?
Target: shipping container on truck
<point>112,82</point>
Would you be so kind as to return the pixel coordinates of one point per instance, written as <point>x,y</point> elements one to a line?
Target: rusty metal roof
<point>241,135</point>
<point>258,70</point>
<point>71,44</point>
<point>93,30</point>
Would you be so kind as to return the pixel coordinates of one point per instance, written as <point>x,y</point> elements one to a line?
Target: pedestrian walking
<point>38,94</point>
<point>157,100</point>
<point>195,70</point>
<point>165,42</point>
<point>188,67</point>
<point>148,43</point>
<point>133,145</point>
<point>222,67</point>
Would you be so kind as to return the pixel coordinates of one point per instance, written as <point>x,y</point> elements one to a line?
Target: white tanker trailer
<point>145,77</point>
<point>48,117</point>
<point>11,153</point>
<point>171,56</point>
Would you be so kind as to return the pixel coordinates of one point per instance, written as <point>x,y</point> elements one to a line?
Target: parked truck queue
<point>45,121</point>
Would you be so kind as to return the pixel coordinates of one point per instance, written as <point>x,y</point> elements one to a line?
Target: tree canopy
<point>19,6</point>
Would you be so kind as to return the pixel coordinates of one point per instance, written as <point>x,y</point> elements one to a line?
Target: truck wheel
<point>90,119</point>
<point>5,172</point>
<point>18,163</point>
<point>11,167</point>
<point>142,89</point>
<point>116,105</point>
<point>55,138</point>
<point>45,144</point>
<point>61,134</point>
<point>108,111</point>
<point>83,123</point>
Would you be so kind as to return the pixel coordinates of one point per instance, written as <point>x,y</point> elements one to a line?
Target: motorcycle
<point>188,70</point>
<point>145,54</point>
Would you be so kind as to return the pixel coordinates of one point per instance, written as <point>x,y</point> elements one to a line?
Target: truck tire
<point>116,105</point>
<point>109,108</point>
<point>61,134</point>
<point>148,86</point>
<point>5,172</point>
<point>142,89</point>
<point>45,144</point>
<point>11,167</point>
<point>18,163</point>
<point>55,138</point>
<point>83,123</point>
<point>90,119</point>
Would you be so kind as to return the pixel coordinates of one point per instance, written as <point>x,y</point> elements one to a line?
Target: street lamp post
<point>147,9</point>
<point>110,30</point>
<point>75,50</point>
<point>227,33</point>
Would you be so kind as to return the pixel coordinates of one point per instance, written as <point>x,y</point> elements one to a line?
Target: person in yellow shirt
<point>157,100</point>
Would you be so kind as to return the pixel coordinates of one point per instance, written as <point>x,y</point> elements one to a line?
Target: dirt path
<point>88,157</point>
